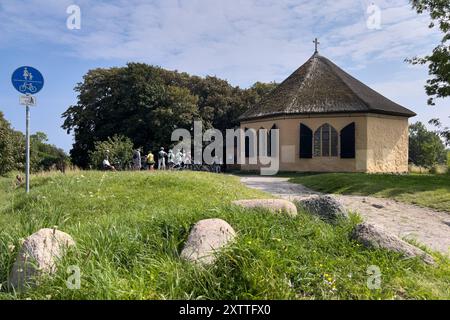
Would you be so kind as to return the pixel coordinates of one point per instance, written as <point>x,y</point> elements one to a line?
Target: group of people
<point>174,160</point>
<point>178,160</point>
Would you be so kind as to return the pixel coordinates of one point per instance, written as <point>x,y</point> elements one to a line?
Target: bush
<point>119,150</point>
<point>439,169</point>
<point>44,156</point>
<point>12,147</point>
<point>412,168</point>
<point>448,161</point>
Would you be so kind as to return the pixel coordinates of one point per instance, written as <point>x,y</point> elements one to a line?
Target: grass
<point>130,228</point>
<point>428,190</point>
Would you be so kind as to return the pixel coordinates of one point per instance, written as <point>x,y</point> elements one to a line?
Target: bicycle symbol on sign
<point>27,86</point>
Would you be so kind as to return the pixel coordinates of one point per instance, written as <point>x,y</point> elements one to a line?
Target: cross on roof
<point>316,43</point>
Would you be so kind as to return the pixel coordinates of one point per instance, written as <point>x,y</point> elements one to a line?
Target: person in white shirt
<point>162,159</point>
<point>107,165</point>
<point>171,159</point>
<point>178,158</point>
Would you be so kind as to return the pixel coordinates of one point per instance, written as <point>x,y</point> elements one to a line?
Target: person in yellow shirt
<point>150,161</point>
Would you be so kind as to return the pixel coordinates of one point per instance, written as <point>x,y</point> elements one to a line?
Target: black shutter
<point>269,140</point>
<point>305,142</point>
<point>247,145</point>
<point>348,142</point>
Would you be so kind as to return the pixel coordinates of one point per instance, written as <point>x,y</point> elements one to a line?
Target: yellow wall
<point>388,144</point>
<point>381,143</point>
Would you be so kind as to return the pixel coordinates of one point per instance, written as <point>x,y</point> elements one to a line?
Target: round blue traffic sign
<point>27,80</point>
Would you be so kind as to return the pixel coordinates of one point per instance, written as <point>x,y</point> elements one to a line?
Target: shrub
<point>412,168</point>
<point>439,169</point>
<point>119,150</point>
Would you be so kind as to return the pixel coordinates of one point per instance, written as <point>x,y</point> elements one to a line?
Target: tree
<point>146,103</point>
<point>118,149</point>
<point>439,60</point>
<point>44,156</point>
<point>12,147</point>
<point>425,147</point>
<point>443,132</point>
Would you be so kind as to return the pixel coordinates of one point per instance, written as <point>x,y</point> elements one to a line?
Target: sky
<point>242,41</point>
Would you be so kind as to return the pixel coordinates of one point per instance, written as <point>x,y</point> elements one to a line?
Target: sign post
<point>28,81</point>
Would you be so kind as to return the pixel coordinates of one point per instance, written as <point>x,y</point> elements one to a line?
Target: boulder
<point>207,237</point>
<point>372,236</point>
<point>273,205</point>
<point>326,207</point>
<point>38,256</point>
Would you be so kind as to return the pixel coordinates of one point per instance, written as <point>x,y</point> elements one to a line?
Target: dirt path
<point>429,227</point>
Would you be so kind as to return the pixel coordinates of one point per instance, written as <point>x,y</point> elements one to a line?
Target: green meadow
<point>428,190</point>
<point>130,227</point>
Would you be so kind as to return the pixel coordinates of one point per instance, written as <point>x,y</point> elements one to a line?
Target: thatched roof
<point>319,86</point>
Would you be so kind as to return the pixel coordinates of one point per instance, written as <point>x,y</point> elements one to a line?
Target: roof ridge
<point>308,73</point>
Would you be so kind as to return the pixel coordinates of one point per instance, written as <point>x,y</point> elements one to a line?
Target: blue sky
<point>243,41</point>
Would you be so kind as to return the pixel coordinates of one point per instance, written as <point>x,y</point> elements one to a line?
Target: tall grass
<point>130,228</point>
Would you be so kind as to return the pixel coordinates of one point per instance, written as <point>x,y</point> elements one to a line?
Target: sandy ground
<point>426,226</point>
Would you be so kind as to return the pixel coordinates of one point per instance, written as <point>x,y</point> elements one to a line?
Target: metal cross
<point>316,43</point>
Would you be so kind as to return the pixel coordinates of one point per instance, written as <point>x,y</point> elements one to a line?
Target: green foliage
<point>12,147</point>
<point>425,147</point>
<point>442,131</point>
<point>118,149</point>
<point>448,160</point>
<point>146,103</point>
<point>423,189</point>
<point>439,60</point>
<point>129,228</point>
<point>44,156</point>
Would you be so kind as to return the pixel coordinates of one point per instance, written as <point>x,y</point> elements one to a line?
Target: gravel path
<point>426,226</point>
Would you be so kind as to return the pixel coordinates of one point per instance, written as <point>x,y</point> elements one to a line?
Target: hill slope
<point>130,227</point>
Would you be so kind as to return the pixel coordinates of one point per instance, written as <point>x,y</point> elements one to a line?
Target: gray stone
<point>326,207</point>
<point>372,236</point>
<point>205,239</point>
<point>273,205</point>
<point>38,256</point>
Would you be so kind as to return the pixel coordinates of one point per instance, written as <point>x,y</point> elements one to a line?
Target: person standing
<point>137,159</point>
<point>178,158</point>
<point>162,159</point>
<point>170,159</point>
<point>150,161</point>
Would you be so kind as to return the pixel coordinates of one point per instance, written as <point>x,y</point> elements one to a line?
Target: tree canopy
<point>43,156</point>
<point>425,147</point>
<point>146,103</point>
<point>438,86</point>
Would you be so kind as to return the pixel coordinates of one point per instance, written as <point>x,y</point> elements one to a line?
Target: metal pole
<point>27,169</point>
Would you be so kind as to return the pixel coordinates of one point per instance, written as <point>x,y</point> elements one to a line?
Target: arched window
<point>326,141</point>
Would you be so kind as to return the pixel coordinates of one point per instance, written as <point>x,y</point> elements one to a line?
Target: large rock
<point>207,237</point>
<point>38,256</point>
<point>326,207</point>
<point>372,236</point>
<point>273,205</point>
